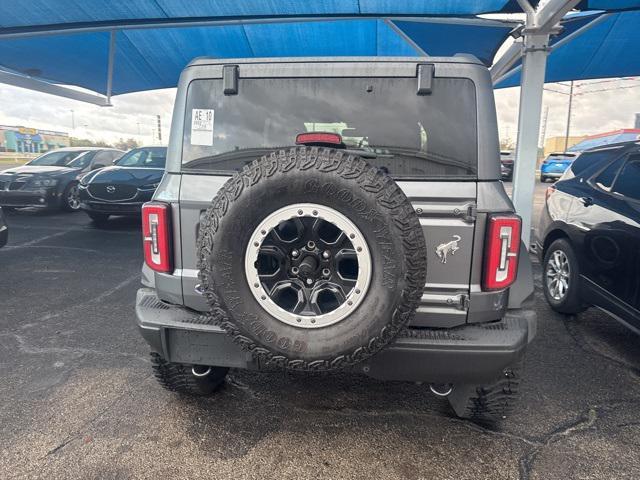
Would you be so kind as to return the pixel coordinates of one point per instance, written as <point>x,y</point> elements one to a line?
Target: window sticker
<point>202,126</point>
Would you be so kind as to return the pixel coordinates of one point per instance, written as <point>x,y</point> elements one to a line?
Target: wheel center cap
<point>308,265</point>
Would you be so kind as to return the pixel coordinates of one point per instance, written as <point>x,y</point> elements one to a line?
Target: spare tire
<point>311,259</point>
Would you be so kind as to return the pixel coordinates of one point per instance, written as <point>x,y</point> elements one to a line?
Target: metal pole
<point>566,135</point>
<point>111,60</point>
<point>533,71</point>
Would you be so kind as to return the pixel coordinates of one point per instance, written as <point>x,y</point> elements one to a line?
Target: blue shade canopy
<point>609,48</point>
<point>33,13</point>
<point>443,39</point>
<point>147,59</point>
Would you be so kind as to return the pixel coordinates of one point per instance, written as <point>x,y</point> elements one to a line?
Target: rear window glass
<point>381,119</point>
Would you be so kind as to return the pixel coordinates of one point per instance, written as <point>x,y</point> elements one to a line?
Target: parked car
<point>506,165</point>
<point>588,238</point>
<point>280,238</point>
<point>51,180</point>
<point>122,188</point>
<point>4,230</point>
<point>555,165</point>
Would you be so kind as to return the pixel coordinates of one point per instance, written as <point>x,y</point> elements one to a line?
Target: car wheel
<point>71,198</point>
<point>543,179</point>
<point>561,278</point>
<point>195,380</point>
<point>311,259</point>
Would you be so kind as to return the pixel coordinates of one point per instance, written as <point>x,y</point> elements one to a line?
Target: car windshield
<point>380,119</point>
<point>58,158</point>
<point>148,157</point>
<point>81,160</point>
<point>559,158</point>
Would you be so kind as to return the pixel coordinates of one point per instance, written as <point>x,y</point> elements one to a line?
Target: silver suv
<point>324,215</point>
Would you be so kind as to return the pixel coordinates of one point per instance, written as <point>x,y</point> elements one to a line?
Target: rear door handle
<point>586,201</point>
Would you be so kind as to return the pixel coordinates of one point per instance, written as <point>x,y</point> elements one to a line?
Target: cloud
<point>598,106</point>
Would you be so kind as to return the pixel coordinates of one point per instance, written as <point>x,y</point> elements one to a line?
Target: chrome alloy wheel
<point>308,265</point>
<point>73,198</point>
<point>557,275</point>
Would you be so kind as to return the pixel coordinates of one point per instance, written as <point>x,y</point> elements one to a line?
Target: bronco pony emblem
<point>445,249</point>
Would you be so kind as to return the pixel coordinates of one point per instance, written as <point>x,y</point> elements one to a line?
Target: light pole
<point>566,135</point>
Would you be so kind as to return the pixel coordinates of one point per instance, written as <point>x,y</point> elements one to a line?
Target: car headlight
<point>150,186</point>
<point>44,182</point>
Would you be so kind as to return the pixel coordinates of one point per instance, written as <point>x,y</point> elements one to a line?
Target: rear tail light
<point>549,191</point>
<point>318,137</point>
<point>156,236</point>
<point>502,248</point>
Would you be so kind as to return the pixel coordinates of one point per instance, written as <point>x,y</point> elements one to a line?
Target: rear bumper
<point>472,353</point>
<point>43,198</point>
<point>128,208</point>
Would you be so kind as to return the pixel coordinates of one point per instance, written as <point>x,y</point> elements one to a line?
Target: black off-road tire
<point>178,378</point>
<point>571,303</point>
<point>349,185</point>
<point>488,403</point>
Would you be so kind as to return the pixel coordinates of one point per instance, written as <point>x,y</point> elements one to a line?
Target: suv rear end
<point>426,125</point>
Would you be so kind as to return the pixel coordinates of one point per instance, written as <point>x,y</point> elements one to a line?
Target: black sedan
<point>4,230</point>
<point>122,188</point>
<point>51,180</point>
<point>589,235</point>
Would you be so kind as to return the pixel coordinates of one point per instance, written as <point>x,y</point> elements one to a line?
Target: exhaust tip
<point>200,371</point>
<point>441,389</point>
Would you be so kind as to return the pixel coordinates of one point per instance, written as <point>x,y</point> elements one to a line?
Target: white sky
<point>592,112</point>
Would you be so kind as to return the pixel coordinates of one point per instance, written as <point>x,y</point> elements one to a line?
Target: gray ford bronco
<point>337,215</point>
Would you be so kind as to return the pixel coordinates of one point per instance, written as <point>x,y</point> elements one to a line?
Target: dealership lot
<point>79,400</point>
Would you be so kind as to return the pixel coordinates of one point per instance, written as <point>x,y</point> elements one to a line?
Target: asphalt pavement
<point>79,400</point>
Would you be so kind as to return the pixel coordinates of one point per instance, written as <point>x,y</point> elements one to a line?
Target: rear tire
<point>543,179</point>
<point>488,403</point>
<point>566,298</point>
<point>177,377</point>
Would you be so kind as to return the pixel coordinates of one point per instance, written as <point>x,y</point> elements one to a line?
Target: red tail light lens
<point>502,247</point>
<point>318,137</point>
<point>156,236</point>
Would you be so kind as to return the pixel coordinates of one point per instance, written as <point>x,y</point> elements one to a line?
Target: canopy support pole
<point>405,37</point>
<point>112,56</point>
<point>540,23</point>
<point>22,81</point>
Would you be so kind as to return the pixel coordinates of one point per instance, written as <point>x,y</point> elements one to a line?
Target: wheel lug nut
<point>326,272</point>
<point>294,270</point>
<point>311,245</point>
<point>295,253</point>
<point>309,281</point>
<point>326,254</point>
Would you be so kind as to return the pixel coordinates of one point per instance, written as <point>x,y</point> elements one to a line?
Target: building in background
<point>556,144</point>
<point>31,140</point>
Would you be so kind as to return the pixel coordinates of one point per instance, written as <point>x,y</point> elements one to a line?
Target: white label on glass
<point>202,126</point>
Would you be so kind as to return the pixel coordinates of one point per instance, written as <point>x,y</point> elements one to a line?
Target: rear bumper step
<point>473,353</point>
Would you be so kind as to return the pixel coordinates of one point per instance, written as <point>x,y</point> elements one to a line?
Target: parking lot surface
<point>79,400</point>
